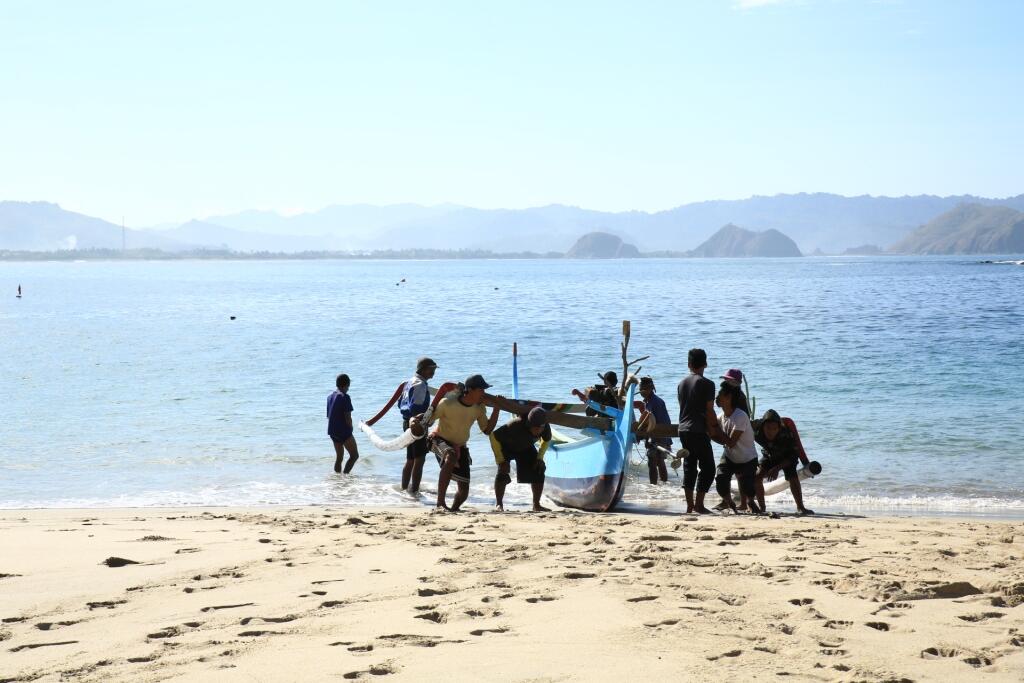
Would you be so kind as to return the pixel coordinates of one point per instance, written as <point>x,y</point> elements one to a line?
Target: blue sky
<point>163,111</point>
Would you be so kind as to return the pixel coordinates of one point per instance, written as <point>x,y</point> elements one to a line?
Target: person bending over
<point>517,440</point>
<point>455,416</point>
<point>339,424</point>
<point>740,457</point>
<point>780,452</point>
<point>414,402</point>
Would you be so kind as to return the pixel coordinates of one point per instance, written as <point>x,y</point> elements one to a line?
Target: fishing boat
<point>590,473</point>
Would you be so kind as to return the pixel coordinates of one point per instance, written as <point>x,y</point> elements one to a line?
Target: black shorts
<point>418,448</point>
<point>788,467</point>
<point>526,468</point>
<point>442,448</point>
<point>340,438</point>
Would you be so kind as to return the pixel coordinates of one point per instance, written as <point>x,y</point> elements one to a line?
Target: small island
<point>732,241</point>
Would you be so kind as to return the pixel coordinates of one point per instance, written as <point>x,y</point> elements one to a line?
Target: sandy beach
<point>326,593</point>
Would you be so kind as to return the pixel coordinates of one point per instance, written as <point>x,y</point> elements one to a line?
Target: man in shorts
<point>697,426</point>
<point>517,440</point>
<point>414,402</point>
<point>656,446</point>
<point>780,452</point>
<point>455,416</point>
<point>339,424</point>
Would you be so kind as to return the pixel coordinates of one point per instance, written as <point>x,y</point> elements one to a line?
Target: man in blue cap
<point>455,416</point>
<point>517,440</point>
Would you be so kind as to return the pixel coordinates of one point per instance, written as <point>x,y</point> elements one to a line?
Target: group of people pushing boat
<point>525,438</point>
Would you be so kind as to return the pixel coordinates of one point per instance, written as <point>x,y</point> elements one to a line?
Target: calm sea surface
<point>129,384</point>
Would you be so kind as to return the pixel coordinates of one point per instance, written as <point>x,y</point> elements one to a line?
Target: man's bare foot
<point>499,507</point>
<point>442,507</point>
<point>689,510</point>
<point>804,511</point>
<point>703,511</point>
<point>722,505</point>
<point>337,465</point>
<point>537,507</point>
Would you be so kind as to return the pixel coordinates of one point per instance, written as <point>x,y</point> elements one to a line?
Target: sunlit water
<point>129,384</point>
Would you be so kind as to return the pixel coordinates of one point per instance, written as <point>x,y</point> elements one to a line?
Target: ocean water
<point>125,383</point>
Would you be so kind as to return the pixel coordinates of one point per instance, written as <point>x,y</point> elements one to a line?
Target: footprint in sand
<point>730,653</point>
<point>51,626</point>
<point>33,646</point>
<point>541,598</point>
<point>375,670</point>
<point>642,598</point>
<point>940,652</point>
<point>838,624</point>
<point>800,602</point>
<point>983,616</point>
<point>435,617</point>
<point>214,608</point>
<point>877,625</point>
<point>665,622</point>
<point>978,661</point>
<point>482,631</point>
<point>108,604</point>
<point>268,620</point>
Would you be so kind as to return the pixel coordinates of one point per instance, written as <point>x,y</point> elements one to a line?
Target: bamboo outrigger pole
<point>626,363</point>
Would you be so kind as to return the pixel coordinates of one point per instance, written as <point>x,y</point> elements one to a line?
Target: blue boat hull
<point>590,474</point>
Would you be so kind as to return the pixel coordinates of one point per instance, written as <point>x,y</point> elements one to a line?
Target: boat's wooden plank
<point>570,420</point>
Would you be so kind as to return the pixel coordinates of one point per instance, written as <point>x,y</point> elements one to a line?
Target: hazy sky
<point>161,111</point>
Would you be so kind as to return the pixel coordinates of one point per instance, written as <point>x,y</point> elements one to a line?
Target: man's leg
<point>746,475</point>
<point>652,465</point>
<point>339,455</point>
<point>723,480</point>
<point>707,472</point>
<point>798,496</point>
<point>689,472</point>
<point>501,479</point>
<point>407,472</point>
<point>461,494</point>
<point>759,489</point>
<point>538,491</point>
<point>353,453</point>
<point>662,468</point>
<point>417,473</point>
<point>445,476</point>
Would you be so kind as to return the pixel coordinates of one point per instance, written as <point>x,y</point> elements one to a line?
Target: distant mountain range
<point>826,222</point>
<point>968,229</point>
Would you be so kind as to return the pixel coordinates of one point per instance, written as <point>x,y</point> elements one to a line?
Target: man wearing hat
<point>517,440</point>
<point>654,405</point>
<point>455,416</point>
<point>414,402</point>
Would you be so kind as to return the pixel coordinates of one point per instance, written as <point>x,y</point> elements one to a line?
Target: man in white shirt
<point>740,456</point>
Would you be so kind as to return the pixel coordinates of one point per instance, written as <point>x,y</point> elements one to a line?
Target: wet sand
<point>346,594</point>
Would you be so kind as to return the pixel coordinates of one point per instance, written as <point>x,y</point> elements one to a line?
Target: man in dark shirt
<point>517,440</point>
<point>697,426</point>
<point>339,424</point>
<point>781,451</point>
<point>414,402</point>
<point>656,447</point>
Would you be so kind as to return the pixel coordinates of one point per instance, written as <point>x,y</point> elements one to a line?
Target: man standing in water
<point>414,402</point>
<point>455,416</point>
<point>339,424</point>
<point>654,405</point>
<point>517,440</point>
<point>697,424</point>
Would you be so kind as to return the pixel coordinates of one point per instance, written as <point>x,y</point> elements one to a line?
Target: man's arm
<point>488,426</point>
<point>711,423</point>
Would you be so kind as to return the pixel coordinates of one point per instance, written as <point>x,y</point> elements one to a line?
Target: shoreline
<point>360,593</point>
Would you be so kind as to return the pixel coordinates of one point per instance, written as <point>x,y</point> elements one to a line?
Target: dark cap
<point>646,382</point>
<point>476,382</point>
<point>771,416</point>
<point>697,358</point>
<point>610,377</point>
<point>425,363</point>
<point>537,417</point>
